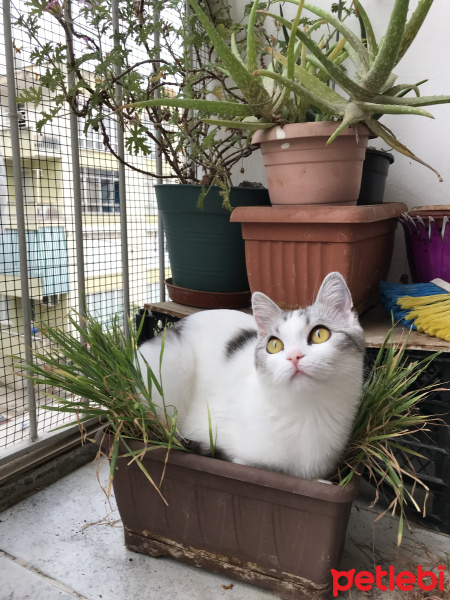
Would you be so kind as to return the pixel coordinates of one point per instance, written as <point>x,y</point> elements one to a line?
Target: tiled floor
<point>63,543</point>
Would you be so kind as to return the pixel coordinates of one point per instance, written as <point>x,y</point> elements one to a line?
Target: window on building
<point>100,191</point>
<point>93,140</point>
<point>31,185</point>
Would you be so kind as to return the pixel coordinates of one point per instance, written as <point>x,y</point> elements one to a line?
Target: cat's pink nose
<point>295,358</point>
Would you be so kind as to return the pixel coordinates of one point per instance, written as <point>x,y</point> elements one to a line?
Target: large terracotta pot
<point>302,169</point>
<point>290,249</point>
<point>275,531</point>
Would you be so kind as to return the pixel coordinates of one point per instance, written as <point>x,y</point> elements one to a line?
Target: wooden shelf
<point>375,322</point>
<point>179,310</point>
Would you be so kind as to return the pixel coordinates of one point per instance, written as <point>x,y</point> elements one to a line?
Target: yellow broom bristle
<point>431,314</point>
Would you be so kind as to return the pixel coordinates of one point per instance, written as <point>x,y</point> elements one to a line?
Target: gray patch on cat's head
<point>239,340</point>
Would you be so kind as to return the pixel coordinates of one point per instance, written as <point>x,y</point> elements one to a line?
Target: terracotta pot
<point>289,250</point>
<point>278,532</point>
<point>302,169</point>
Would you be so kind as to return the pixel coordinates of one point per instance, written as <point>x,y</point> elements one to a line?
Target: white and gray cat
<point>282,387</point>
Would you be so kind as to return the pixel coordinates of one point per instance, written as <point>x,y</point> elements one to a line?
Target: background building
<point>47,186</point>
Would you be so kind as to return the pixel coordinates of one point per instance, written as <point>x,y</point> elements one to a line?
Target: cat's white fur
<point>265,410</point>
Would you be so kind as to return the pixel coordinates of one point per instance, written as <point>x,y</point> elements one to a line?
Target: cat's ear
<point>265,312</point>
<point>335,296</point>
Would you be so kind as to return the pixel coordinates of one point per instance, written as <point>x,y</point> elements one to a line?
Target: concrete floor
<point>66,542</point>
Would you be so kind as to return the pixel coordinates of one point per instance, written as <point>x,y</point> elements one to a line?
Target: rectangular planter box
<point>290,249</point>
<point>278,532</point>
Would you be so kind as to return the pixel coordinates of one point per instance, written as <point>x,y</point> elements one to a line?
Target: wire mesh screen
<point>48,195</point>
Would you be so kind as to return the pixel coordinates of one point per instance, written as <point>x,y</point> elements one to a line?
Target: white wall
<point>408,181</point>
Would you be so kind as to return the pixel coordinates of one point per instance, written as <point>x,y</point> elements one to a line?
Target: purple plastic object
<point>427,248</point>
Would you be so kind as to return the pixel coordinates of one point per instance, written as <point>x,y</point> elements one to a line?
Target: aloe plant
<point>371,93</point>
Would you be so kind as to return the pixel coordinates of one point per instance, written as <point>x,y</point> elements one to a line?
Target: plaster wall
<point>427,58</point>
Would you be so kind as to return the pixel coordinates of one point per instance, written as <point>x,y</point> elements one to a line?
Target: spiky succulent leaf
<point>403,88</point>
<point>393,142</point>
<point>250,87</point>
<point>321,103</point>
<point>413,25</point>
<point>352,88</point>
<point>311,82</point>
<point>293,49</point>
<point>386,57</point>
<point>213,107</point>
<point>353,114</point>
<point>392,109</point>
<point>251,44</point>
<point>413,101</point>
<point>234,48</point>
<point>244,125</point>
<point>361,55</point>
<point>372,45</point>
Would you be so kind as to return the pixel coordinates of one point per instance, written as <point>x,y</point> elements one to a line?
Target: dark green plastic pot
<point>206,251</point>
<point>374,175</point>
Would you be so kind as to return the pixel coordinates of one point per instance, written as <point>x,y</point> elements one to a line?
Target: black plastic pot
<point>206,251</point>
<point>375,172</point>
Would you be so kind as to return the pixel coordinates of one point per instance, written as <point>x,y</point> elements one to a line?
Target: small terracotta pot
<point>290,249</point>
<point>302,169</point>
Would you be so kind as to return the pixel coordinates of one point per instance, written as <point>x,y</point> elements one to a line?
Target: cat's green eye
<point>320,335</point>
<point>274,345</point>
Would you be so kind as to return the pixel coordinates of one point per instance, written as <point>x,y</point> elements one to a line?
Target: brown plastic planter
<point>289,250</point>
<point>275,531</point>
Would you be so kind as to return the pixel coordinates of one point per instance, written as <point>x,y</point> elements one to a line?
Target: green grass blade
<point>211,436</point>
<point>113,464</point>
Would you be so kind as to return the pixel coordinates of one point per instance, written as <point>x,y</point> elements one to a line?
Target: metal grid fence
<point>75,224</point>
